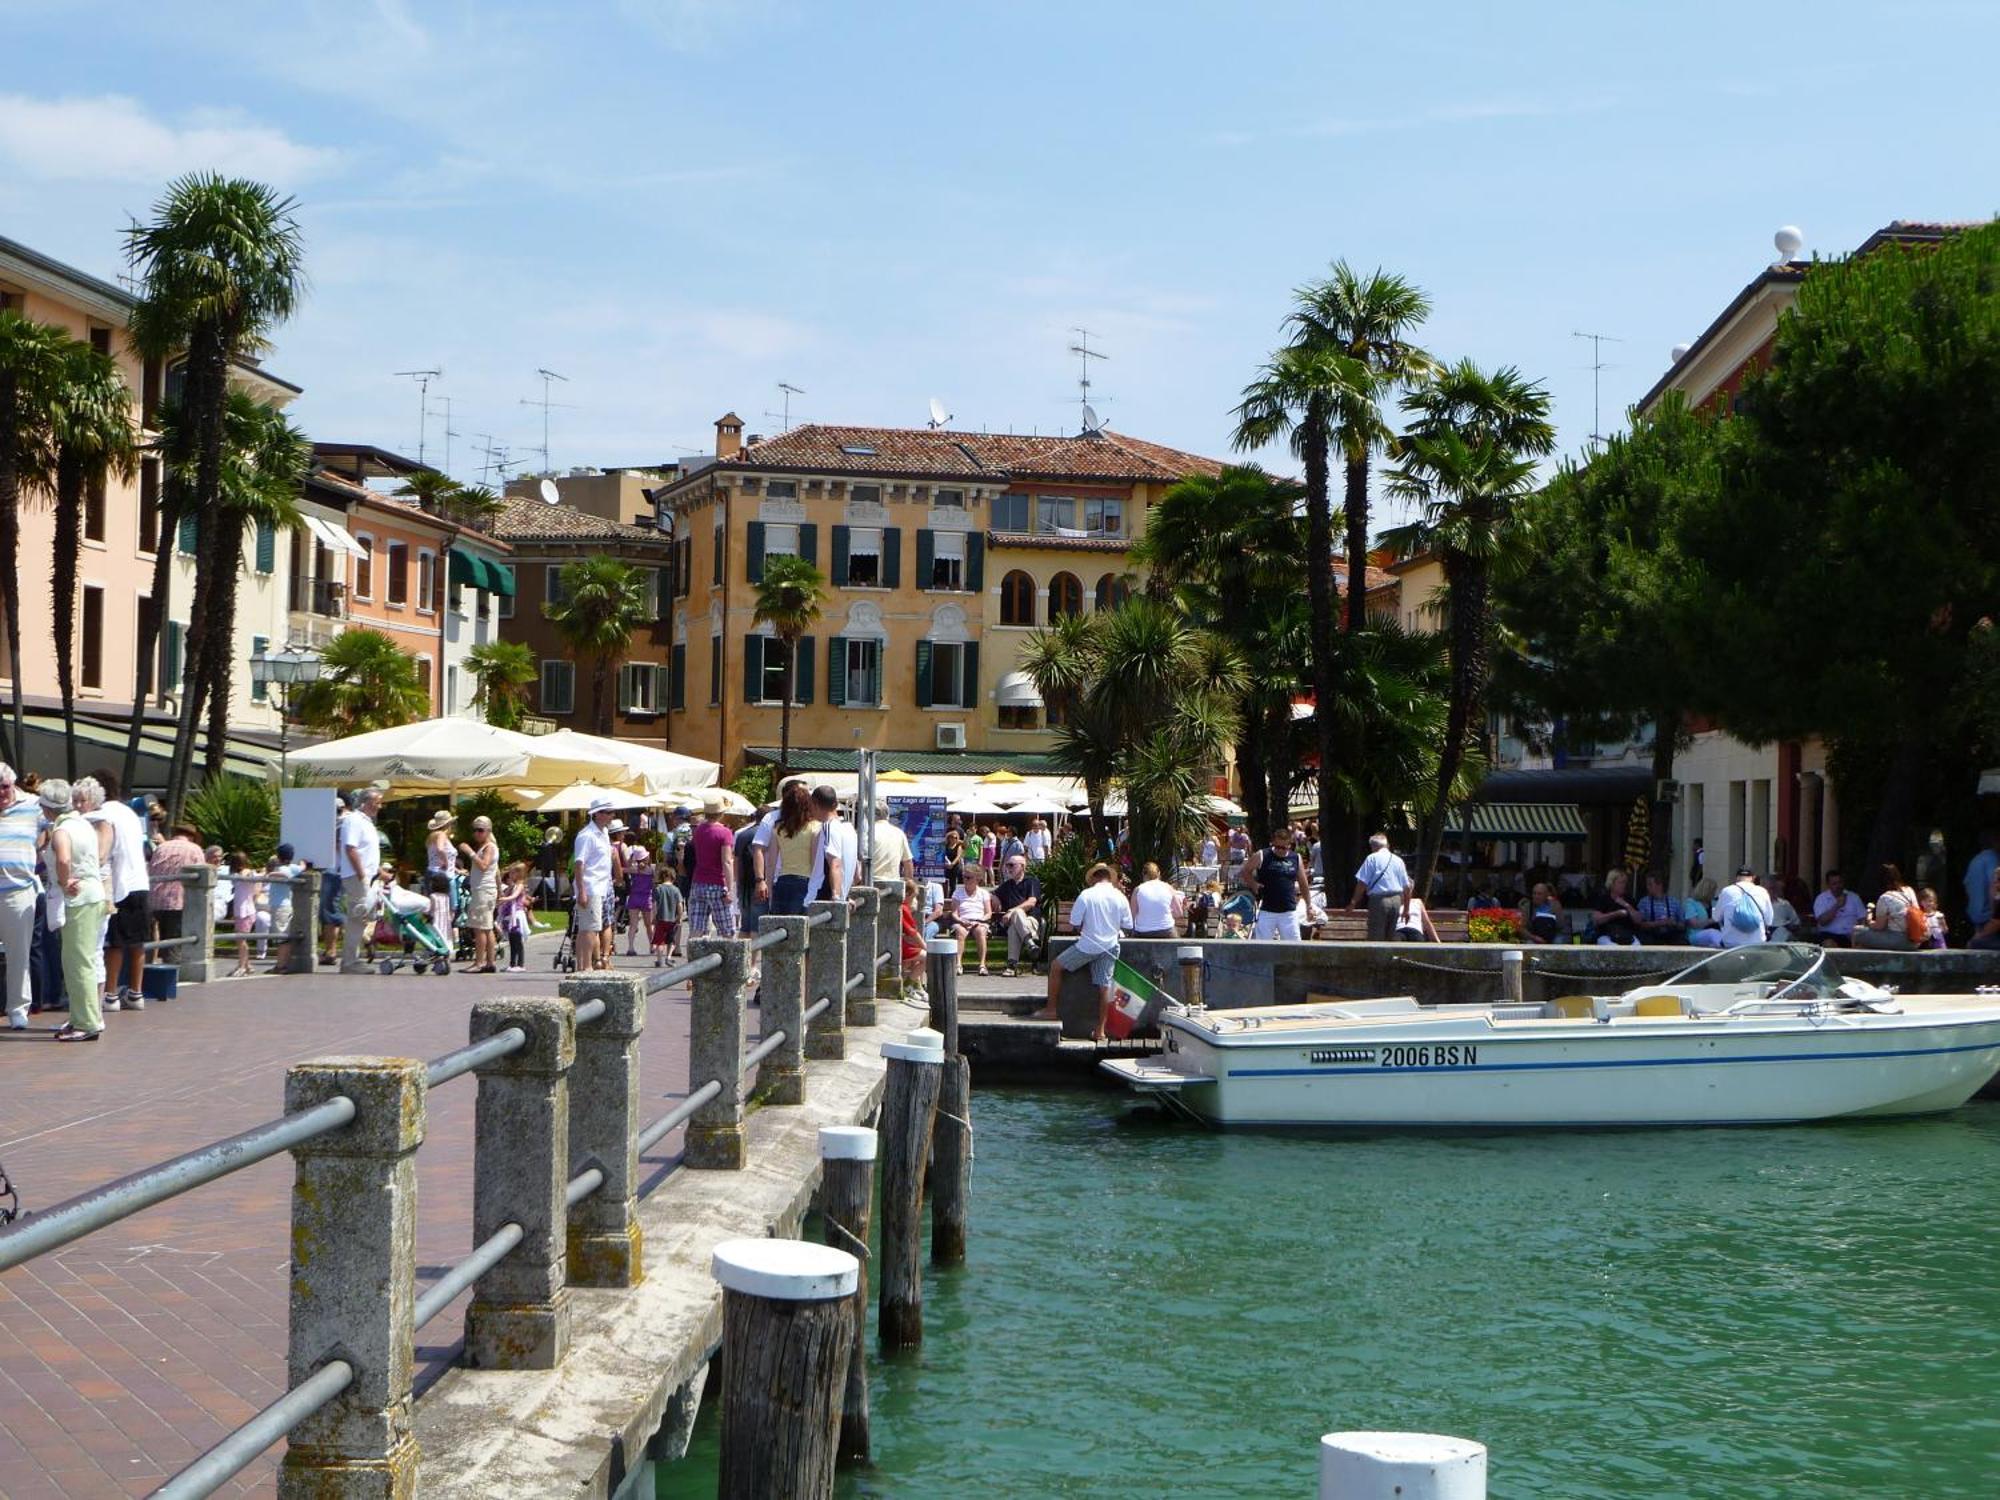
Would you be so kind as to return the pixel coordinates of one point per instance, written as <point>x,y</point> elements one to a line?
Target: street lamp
<point>284,670</point>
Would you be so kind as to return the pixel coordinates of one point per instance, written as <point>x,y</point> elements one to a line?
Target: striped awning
<point>1560,821</point>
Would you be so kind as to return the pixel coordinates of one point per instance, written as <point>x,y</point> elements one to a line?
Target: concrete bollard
<point>1512,964</point>
<point>847,1192</point>
<point>606,1245</point>
<point>1193,965</point>
<point>198,923</point>
<point>861,955</point>
<point>715,1050</point>
<point>826,974</point>
<point>787,1336</point>
<point>1400,1466</point>
<point>519,1318</point>
<point>354,1278</point>
<point>909,1113</point>
<point>305,922</point>
<point>781,1077</point>
<point>889,936</point>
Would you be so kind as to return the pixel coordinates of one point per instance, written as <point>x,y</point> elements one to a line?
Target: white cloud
<point>112,138</point>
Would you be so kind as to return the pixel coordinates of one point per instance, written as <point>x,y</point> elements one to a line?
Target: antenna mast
<point>1597,368</point>
<point>1085,354</point>
<point>790,391</point>
<point>545,404</point>
<point>423,378</point>
<point>449,434</point>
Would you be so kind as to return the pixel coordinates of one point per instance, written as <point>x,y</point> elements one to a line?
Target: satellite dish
<point>550,493</point>
<point>1790,241</point>
<point>939,416</point>
<point>1678,352</point>
<point>1091,423</point>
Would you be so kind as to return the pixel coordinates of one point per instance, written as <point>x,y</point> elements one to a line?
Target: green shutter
<point>892,557</point>
<point>839,574</point>
<point>171,667</point>
<point>969,692</point>
<point>926,557</point>
<point>836,653</point>
<point>715,669</point>
<point>667,592</point>
<point>267,546</point>
<point>259,644</point>
<point>189,534</point>
<point>809,542</point>
<point>875,673</point>
<point>754,546</point>
<point>802,671</point>
<point>753,668</point>
<point>975,561</point>
<point>677,678</point>
<point>923,674</point>
<point>716,562</point>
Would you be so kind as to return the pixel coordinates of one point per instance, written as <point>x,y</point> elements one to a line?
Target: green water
<point>1156,1310</point>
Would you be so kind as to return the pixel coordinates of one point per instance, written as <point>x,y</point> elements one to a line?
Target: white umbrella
<point>1046,807</point>
<point>734,803</point>
<point>433,754</point>
<point>655,769</point>
<point>975,807</point>
<point>578,796</point>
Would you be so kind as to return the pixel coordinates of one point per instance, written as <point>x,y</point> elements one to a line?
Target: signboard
<point>922,820</point>
<point>306,820</point>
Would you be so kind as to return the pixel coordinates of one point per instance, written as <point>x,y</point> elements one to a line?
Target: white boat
<point>1762,1034</point>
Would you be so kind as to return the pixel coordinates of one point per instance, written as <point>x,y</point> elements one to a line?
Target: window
<point>714,670</point>
<point>1112,591</point>
<point>858,450</point>
<point>949,499</point>
<point>1017,599</point>
<point>681,572</point>
<point>1055,513</point>
<point>677,678</point>
<point>1019,716</point>
<point>857,672</point>
<point>781,541</point>
<point>260,692</point>
<point>149,504</point>
<point>187,535</point>
<point>715,565</point>
<point>427,583</point>
<point>663,593</point>
<point>399,573</point>
<point>558,687</point>
<point>772,689</point>
<point>865,494</point>
<point>1010,513</point>
<point>1065,596</point>
<point>946,675</point>
<point>639,687</point>
<point>424,676</point>
<point>266,553</point>
<point>864,556</point>
<point>93,508</point>
<point>92,631</point>
<point>764,659</point>
<point>364,566</point>
<point>947,560</point>
<point>1104,517</point>
<point>455,593</point>
<point>552,584</point>
<point>503,606</point>
<point>100,340</point>
<point>781,489</point>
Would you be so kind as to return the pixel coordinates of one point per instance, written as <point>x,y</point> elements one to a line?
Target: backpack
<point>1743,913</point>
<point>1916,924</point>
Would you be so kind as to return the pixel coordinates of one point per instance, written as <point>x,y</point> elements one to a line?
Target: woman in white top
<point>1157,908</point>
<point>1888,919</point>
<point>78,875</point>
<point>1414,925</point>
<point>971,912</point>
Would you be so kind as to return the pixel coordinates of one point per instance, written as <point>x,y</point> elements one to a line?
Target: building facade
<point>942,551</point>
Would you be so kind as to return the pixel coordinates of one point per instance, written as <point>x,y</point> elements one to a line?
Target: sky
<point>678,204</point>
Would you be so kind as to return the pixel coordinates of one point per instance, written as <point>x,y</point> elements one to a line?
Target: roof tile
<point>523,520</point>
<point>973,456</point>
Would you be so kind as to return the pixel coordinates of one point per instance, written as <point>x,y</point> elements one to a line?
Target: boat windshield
<point>1798,970</point>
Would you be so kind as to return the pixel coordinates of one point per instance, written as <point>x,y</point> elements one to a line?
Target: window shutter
<point>836,651</point>
<point>716,562</point>
<point>975,561</point>
<point>754,548</point>
<point>809,542</point>
<point>259,644</point>
<point>802,670</point>
<point>190,537</point>
<point>839,567</point>
<point>715,669</point>
<point>678,678</point>
<point>968,695</point>
<point>926,556</point>
<point>667,591</point>
<point>267,546</point>
<point>170,661</point>
<point>923,674</point>
<point>875,674</point>
<point>753,668</point>
<point>892,556</point>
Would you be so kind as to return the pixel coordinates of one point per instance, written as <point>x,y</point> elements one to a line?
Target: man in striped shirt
<point>20,889</point>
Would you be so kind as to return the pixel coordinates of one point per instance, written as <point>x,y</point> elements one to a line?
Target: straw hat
<point>712,802</point>
<point>441,820</point>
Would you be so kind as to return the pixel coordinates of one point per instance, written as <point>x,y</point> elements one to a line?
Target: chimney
<point>728,436</point>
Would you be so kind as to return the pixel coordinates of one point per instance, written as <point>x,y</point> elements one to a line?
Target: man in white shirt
<point>1382,881</point>
<point>1099,915</point>
<point>1743,910</point>
<point>892,858</point>
<point>130,886</point>
<point>839,850</point>
<point>1035,844</point>
<point>360,858</point>
<point>1836,912</point>
<point>593,872</point>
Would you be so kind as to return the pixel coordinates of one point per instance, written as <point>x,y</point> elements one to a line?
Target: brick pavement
<point>130,1352</point>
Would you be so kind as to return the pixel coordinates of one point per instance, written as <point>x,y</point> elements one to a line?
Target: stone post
<point>715,1051</point>
<point>605,1242</point>
<point>861,954</point>
<point>354,1277</point>
<point>781,1077</point>
<point>889,936</point>
<point>519,1318</point>
<point>198,923</point>
<point>305,922</point>
<point>826,974</point>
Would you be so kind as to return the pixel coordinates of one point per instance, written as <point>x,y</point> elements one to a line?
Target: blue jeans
<point>788,896</point>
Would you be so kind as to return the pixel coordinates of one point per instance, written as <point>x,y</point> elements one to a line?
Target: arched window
<point>1065,596</point>
<point>1017,599</point>
<point>1112,591</point>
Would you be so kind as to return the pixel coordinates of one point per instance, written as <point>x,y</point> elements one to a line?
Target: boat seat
<point>1575,1007</point>
<point>1657,1005</point>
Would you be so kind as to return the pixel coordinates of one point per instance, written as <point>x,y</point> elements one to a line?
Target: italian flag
<point>1135,1001</point>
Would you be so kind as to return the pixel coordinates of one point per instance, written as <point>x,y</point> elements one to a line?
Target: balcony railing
<point>320,596</point>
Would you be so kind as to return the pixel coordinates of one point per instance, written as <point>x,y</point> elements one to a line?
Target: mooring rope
<point>967,1124</point>
<point>860,1246</point>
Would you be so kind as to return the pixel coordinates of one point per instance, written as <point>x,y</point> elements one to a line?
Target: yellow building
<point>942,552</point>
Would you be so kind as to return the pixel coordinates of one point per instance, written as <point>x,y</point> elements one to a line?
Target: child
<point>510,913</point>
<point>639,885</point>
<point>383,934</point>
<point>1208,901</point>
<point>1232,927</point>
<point>243,894</point>
<point>912,938</point>
<point>1927,903</point>
<point>669,909</point>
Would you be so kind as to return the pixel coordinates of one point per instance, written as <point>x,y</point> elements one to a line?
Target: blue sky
<point>679,203</point>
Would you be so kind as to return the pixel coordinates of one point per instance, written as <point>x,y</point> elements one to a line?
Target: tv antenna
<point>497,462</point>
<point>789,391</point>
<point>1085,354</point>
<point>423,378</point>
<point>939,416</point>
<point>449,434</point>
<point>546,404</point>
<point>1597,368</point>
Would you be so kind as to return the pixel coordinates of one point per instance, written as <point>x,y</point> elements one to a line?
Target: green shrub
<point>753,782</point>
<point>519,836</point>
<point>238,814</point>
<point>1061,874</point>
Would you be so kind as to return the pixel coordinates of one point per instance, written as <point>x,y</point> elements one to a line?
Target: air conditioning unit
<point>1666,791</point>
<point>951,736</point>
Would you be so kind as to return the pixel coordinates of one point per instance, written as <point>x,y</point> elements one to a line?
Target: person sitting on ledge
<point>1100,915</point>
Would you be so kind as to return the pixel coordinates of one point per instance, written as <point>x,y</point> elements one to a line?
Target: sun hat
<point>483,824</point>
<point>441,820</point>
<point>711,802</point>
<point>600,803</point>
<point>617,825</point>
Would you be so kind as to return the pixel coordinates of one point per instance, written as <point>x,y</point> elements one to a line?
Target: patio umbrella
<point>654,769</point>
<point>430,755</point>
<point>895,776</point>
<point>1639,835</point>
<point>1001,778</point>
<point>975,807</point>
<point>1045,806</point>
<point>578,796</point>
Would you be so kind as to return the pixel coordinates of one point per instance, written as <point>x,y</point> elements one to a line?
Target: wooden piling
<point>951,1144</point>
<point>787,1336</point>
<point>1192,967</point>
<point>847,1176</point>
<point>909,1112</point>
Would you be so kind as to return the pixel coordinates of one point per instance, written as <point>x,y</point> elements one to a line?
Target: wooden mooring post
<point>787,1335</point>
<point>909,1111</point>
<point>951,1145</point>
<point>847,1192</point>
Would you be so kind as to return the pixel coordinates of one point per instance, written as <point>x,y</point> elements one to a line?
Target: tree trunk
<point>600,695</point>
<point>62,586</point>
<point>1319,593</point>
<point>11,742</point>
<point>1666,726</point>
<point>1357,543</point>
<point>222,662</point>
<point>1888,835</point>
<point>1466,577</point>
<point>149,635</point>
<point>205,392</point>
<point>785,715</point>
<point>1253,776</point>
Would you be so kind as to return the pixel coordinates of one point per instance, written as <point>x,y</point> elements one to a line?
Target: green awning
<point>475,572</point>
<point>502,577</point>
<point>1562,821</point>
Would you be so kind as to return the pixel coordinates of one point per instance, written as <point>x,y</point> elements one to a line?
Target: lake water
<point>1152,1309</point>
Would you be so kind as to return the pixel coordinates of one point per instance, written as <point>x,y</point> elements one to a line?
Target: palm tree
<point>31,368</point>
<point>788,600</point>
<point>220,265</point>
<point>1467,461</point>
<point>504,671</point>
<point>93,441</point>
<point>603,603</point>
<point>366,682</point>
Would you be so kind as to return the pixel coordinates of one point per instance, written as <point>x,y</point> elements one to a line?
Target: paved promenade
<point>129,1353</point>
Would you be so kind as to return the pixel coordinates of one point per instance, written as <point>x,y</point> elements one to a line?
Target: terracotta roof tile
<point>522,520</point>
<point>973,456</point>
<point>1036,542</point>
<point>1378,578</point>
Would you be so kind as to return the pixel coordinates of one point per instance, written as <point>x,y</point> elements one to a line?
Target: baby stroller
<point>566,952</point>
<point>461,904</point>
<point>409,914</point>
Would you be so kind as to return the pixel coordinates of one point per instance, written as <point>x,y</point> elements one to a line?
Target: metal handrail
<point>679,972</point>
<point>818,1008</point>
<point>234,1453</point>
<point>819,919</point>
<point>444,1291</point>
<point>884,957</point>
<point>680,1114</point>
<point>93,1210</point>
<point>589,1011</point>
<point>581,1186</point>
<point>763,1050</point>
<point>465,1059</point>
<point>159,944</point>
<point>854,981</point>
<point>771,939</point>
